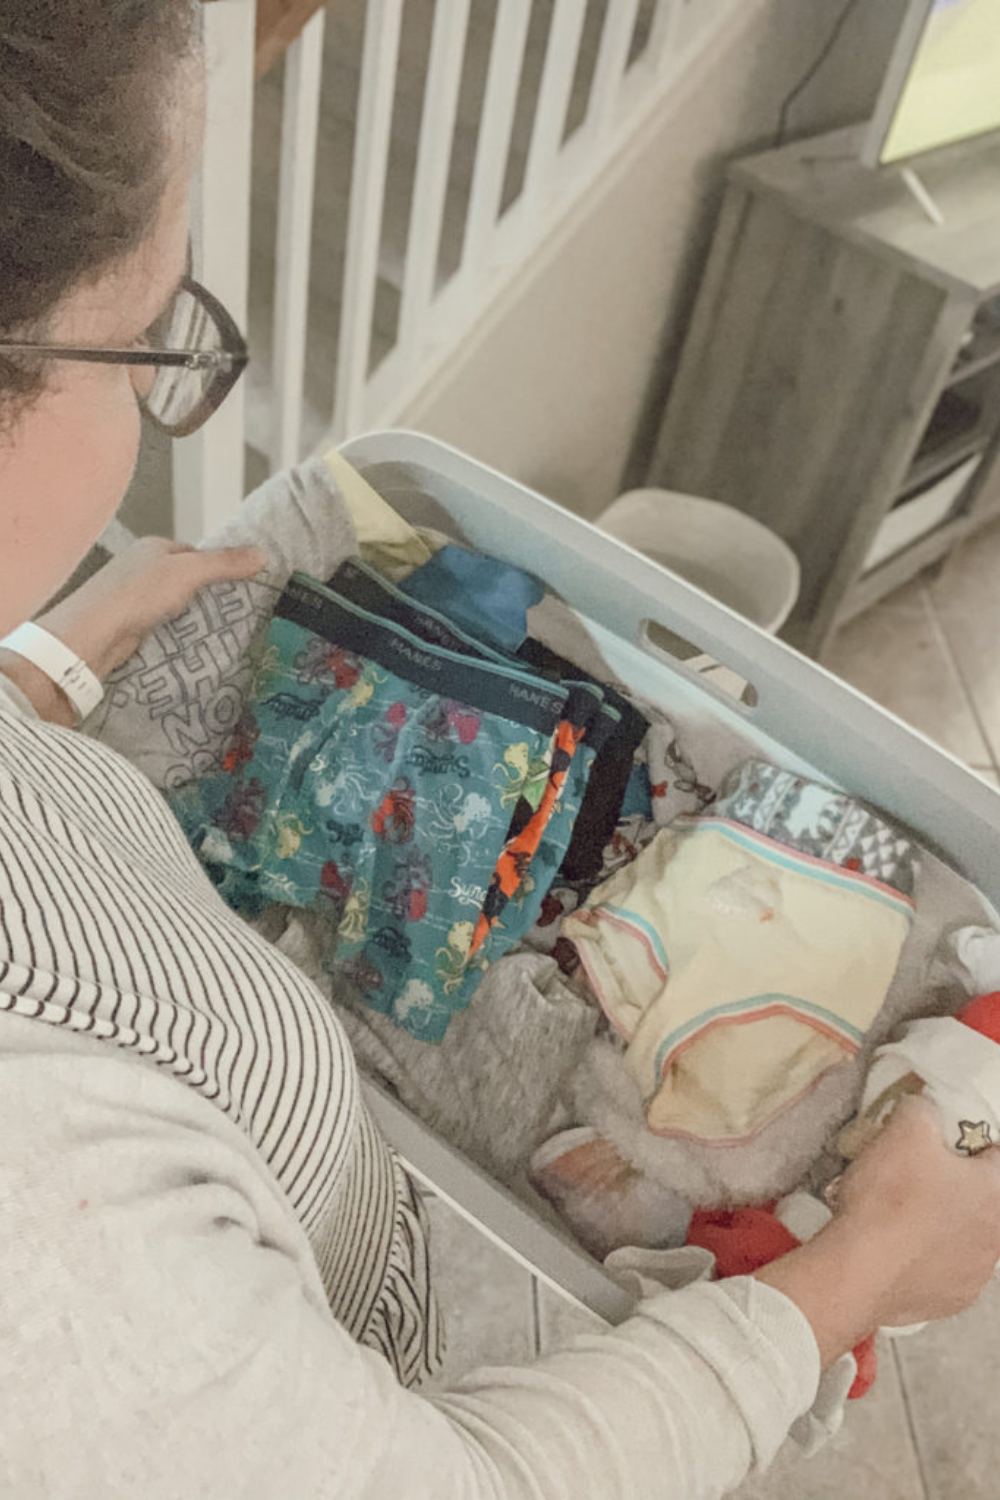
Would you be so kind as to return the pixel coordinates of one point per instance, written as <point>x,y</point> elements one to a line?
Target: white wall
<point>563,383</point>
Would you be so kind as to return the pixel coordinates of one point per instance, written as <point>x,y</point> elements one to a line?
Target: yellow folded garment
<point>739,970</point>
<point>385,540</point>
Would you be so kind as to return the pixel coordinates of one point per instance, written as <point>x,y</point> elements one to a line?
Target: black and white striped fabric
<point>109,927</point>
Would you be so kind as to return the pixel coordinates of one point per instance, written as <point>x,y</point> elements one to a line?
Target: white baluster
<point>561,54</point>
<point>430,182</point>
<point>493,145</point>
<point>662,35</point>
<point>208,468</point>
<point>299,130</point>
<point>364,229</point>
<point>612,59</point>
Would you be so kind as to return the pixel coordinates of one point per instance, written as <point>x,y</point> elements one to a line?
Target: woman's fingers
<point>153,580</point>
<point>167,583</point>
<point>231,562</point>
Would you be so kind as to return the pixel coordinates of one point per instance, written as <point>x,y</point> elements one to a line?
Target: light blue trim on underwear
<point>655,941</point>
<point>754,1002</point>
<point>810,864</point>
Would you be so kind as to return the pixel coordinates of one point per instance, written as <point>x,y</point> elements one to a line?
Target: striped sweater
<point>110,929</point>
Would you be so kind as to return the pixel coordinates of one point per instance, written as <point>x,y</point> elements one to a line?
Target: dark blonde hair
<point>85,93</point>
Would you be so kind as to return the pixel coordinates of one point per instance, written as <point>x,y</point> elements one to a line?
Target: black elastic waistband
<point>481,685</point>
<point>632,726</point>
<point>359,585</point>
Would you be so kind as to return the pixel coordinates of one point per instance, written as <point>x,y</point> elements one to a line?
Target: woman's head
<point>100,107</point>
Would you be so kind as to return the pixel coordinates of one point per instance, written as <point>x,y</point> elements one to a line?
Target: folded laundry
<point>675,787</point>
<point>488,598</point>
<point>540,830</point>
<point>798,1146</point>
<point>555,624</point>
<point>383,537</point>
<point>611,770</point>
<point>372,775</point>
<point>602,1092</point>
<point>818,821</point>
<point>633,828</point>
<point>360,584</point>
<point>740,969</point>
<point>489,1086</point>
<point>552,804</point>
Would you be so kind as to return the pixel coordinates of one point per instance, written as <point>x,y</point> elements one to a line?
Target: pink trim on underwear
<point>746,1017</point>
<point>744,1140</point>
<point>689,820</point>
<point>601,913</point>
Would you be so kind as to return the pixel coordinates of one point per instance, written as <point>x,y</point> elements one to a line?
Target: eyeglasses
<point>194,354</point>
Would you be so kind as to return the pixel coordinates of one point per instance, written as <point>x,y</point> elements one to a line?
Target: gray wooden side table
<point>840,378</point>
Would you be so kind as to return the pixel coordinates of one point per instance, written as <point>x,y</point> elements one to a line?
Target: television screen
<point>943,83</point>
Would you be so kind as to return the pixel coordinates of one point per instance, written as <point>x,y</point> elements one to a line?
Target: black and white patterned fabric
<point>819,821</point>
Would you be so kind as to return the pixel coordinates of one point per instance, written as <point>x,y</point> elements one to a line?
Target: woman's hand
<point>936,1213</point>
<point>916,1236</point>
<point>105,620</point>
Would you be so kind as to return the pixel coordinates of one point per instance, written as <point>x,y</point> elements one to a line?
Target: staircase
<point>399,165</point>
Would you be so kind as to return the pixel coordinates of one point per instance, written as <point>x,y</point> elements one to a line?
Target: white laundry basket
<point>731,556</point>
<point>800,715</point>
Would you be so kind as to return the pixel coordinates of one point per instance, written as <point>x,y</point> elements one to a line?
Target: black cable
<point>813,69</point>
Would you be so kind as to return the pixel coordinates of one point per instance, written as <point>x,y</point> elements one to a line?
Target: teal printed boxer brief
<point>372,777</point>
<point>515,914</point>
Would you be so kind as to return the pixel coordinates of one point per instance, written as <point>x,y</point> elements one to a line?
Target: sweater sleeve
<point>165,1333</point>
<point>696,1390</point>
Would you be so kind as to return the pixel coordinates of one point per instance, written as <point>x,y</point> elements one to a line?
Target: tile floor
<point>928,1430</point>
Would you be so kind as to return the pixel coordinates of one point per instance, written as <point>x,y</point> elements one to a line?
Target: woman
<point>212,1269</point>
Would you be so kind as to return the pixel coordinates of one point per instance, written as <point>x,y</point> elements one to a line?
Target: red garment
<point>741,1239</point>
<point>983,1015</point>
<point>744,1239</point>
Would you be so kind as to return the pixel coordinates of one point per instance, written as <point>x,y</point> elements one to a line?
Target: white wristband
<point>57,661</point>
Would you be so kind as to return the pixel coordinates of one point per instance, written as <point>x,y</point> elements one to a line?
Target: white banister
<point>299,133</point>
<point>403,376</point>
<point>383,22</point>
<point>612,60</point>
<point>430,182</point>
<point>503,80</point>
<point>208,468</point>
<point>559,70</point>
<point>433,319</point>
